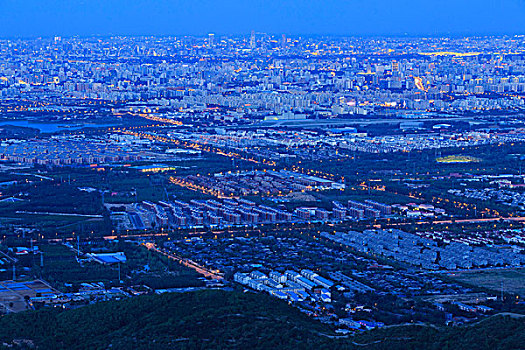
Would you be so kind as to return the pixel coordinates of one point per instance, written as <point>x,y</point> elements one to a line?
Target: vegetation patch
<point>458,159</point>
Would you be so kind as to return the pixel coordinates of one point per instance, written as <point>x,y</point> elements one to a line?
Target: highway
<point>279,228</point>
<point>471,221</point>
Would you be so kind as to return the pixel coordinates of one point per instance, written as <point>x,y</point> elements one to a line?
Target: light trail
<point>188,263</point>
<point>419,83</point>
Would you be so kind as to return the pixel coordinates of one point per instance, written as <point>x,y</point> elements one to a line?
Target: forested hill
<point>228,320</point>
<point>207,319</point>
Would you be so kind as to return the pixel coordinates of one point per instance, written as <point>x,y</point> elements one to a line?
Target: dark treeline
<point>229,320</point>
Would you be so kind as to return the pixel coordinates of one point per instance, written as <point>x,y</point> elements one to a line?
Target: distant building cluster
<point>268,76</point>
<point>369,209</point>
<point>402,143</point>
<point>64,151</point>
<point>214,213</point>
<point>290,285</point>
<point>510,198</point>
<point>422,210</point>
<point>424,252</point>
<point>232,212</point>
<point>265,183</point>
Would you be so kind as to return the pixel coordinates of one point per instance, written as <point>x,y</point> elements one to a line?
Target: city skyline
<point>335,17</point>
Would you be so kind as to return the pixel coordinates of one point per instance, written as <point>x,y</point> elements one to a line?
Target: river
<point>52,127</point>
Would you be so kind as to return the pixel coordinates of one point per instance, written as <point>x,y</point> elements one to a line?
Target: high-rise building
<point>283,41</point>
<point>211,40</point>
<point>395,66</point>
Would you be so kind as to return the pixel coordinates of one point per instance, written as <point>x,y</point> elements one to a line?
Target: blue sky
<point>29,18</point>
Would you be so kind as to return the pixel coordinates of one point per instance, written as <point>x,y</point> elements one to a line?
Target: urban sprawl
<point>367,182</point>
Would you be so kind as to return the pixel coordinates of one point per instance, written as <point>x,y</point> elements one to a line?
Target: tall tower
<point>283,41</point>
<point>252,40</point>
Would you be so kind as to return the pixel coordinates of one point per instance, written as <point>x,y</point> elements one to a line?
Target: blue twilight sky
<point>29,18</point>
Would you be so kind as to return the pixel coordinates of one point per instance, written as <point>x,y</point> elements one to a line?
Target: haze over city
<point>235,17</point>
<point>262,174</point>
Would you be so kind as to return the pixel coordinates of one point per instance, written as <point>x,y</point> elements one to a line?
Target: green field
<point>457,159</point>
<point>513,279</point>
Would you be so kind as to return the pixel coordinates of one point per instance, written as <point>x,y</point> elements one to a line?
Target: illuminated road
<point>186,262</point>
<point>473,221</point>
<point>268,229</point>
<point>197,146</point>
